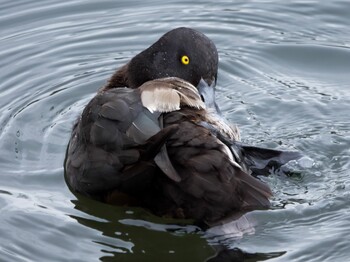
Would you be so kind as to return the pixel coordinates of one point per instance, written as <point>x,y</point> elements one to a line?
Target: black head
<point>182,52</point>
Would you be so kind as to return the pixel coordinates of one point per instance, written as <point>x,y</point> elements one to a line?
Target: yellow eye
<point>185,60</point>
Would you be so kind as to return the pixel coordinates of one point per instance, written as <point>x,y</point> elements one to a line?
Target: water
<point>283,78</point>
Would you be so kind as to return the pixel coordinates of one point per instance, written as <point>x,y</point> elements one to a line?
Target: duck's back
<point>107,148</point>
<point>213,187</point>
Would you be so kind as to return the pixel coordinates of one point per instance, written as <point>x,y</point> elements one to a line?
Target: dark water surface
<point>283,78</point>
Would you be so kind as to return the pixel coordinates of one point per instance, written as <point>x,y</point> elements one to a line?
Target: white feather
<point>168,94</point>
<point>160,99</point>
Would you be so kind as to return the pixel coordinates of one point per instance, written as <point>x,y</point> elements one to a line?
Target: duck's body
<point>213,185</point>
<point>151,146</point>
<point>171,163</point>
<point>117,138</point>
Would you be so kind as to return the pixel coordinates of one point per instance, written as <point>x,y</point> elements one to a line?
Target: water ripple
<point>283,79</point>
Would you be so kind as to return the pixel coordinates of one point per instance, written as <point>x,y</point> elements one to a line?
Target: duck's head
<point>182,52</point>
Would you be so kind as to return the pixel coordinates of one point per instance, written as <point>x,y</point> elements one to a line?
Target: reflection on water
<point>283,78</point>
<point>129,233</point>
<point>126,235</point>
<point>237,255</point>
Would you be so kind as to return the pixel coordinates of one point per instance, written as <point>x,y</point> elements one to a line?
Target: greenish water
<point>283,79</point>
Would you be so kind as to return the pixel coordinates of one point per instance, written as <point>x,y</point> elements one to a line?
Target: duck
<point>154,137</point>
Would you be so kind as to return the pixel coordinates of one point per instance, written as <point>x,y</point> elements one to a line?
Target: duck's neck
<point>118,79</point>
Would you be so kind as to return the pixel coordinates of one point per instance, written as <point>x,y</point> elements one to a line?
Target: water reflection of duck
<point>184,163</point>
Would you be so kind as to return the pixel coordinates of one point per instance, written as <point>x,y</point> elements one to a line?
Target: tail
<point>261,160</point>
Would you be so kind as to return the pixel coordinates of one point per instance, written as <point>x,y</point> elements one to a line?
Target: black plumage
<point>150,138</point>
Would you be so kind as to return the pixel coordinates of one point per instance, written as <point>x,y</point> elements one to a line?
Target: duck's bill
<point>207,93</point>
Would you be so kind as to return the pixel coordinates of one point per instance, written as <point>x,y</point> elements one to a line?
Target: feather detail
<point>169,94</point>
<point>160,99</point>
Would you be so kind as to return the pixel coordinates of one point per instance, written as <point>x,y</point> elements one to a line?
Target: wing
<point>212,185</point>
<point>115,139</point>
